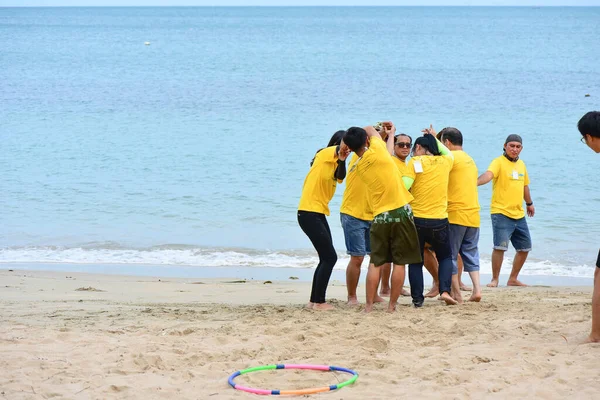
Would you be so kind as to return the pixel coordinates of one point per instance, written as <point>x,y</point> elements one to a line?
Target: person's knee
<point>356,261</point>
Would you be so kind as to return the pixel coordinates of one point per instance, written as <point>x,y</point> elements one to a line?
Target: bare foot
<point>476,297</point>
<point>310,305</point>
<point>493,283</point>
<point>368,308</point>
<point>458,297</point>
<point>352,301</point>
<point>515,282</point>
<point>405,293</point>
<point>435,290</point>
<point>465,288</point>
<point>379,299</point>
<point>385,292</point>
<point>448,299</point>
<point>391,308</point>
<point>323,307</point>
<point>591,339</point>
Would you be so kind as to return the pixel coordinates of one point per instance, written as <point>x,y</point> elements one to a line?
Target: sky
<point>50,3</point>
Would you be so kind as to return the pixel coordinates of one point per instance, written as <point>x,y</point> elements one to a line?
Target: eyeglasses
<point>403,145</point>
<point>583,139</point>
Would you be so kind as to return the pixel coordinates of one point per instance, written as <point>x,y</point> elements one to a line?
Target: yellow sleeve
<point>494,168</point>
<point>526,178</point>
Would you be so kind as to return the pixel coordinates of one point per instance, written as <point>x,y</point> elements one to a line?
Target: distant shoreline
<point>256,273</point>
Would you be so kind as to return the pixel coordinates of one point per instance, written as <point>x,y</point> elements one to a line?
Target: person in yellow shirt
<point>427,178</point>
<point>326,170</point>
<point>393,235</point>
<point>356,215</point>
<point>589,127</point>
<point>402,146</point>
<point>510,188</point>
<point>463,213</point>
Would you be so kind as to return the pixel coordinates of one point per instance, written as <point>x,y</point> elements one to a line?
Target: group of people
<point>420,212</point>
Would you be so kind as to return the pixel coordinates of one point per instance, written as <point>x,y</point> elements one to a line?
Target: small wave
<point>194,256</point>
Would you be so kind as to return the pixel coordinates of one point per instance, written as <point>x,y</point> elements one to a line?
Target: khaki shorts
<point>394,238</point>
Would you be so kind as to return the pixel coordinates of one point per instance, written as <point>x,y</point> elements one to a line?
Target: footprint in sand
<point>377,345</point>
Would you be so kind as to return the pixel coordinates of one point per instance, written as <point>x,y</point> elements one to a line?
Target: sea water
<point>182,136</point>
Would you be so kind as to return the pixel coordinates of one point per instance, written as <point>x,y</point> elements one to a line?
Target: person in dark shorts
<point>589,127</point>
<point>393,234</point>
<point>326,170</point>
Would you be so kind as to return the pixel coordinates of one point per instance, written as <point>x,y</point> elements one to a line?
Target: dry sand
<point>84,336</point>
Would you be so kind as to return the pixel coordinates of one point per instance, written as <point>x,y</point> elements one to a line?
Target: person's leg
<point>315,226</point>
<point>469,252</point>
<point>431,265</point>
<point>352,278</point>
<point>595,334</point>
<point>406,249</point>
<point>356,236</point>
<point>456,233</point>
<point>441,244</point>
<point>502,228</point>
<point>461,266</point>
<point>397,286</point>
<point>415,270</point>
<point>329,257</point>
<point>521,240</point>
<point>386,270</point>
<point>380,254</point>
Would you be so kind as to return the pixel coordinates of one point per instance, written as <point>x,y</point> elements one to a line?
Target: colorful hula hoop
<point>292,366</point>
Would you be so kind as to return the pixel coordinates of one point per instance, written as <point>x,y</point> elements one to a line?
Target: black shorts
<point>598,260</point>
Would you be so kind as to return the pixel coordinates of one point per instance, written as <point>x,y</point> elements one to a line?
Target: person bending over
<point>589,127</point>
<point>327,168</point>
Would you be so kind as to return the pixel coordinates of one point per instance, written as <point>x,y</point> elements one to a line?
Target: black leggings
<point>317,229</point>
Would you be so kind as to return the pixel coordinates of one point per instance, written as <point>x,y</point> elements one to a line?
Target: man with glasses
<point>510,188</point>
<point>402,146</point>
<point>589,127</point>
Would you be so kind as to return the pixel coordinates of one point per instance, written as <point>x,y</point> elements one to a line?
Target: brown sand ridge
<point>141,338</point>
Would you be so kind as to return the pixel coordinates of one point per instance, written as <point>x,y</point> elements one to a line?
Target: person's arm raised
<point>390,130</point>
<point>342,153</point>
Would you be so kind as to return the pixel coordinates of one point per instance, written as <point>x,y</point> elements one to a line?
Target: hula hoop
<point>292,366</point>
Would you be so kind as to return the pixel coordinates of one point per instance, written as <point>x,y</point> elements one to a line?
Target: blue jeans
<point>356,235</point>
<point>435,232</point>
<point>511,230</point>
<point>464,241</point>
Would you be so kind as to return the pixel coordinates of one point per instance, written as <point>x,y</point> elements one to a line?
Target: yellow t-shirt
<point>430,187</point>
<point>379,173</point>
<point>510,179</point>
<point>463,200</point>
<point>402,166</point>
<point>357,200</point>
<point>320,184</point>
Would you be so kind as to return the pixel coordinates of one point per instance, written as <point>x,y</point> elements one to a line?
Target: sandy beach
<point>86,336</point>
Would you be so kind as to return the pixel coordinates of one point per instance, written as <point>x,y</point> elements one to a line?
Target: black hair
<point>589,124</point>
<point>453,135</point>
<point>335,140</point>
<point>355,138</point>
<point>429,143</point>
<point>402,134</point>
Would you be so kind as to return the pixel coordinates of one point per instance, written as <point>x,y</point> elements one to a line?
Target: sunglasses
<point>404,145</point>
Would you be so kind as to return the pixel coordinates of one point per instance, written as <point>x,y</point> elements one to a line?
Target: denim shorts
<point>464,240</point>
<point>511,230</point>
<point>356,235</point>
